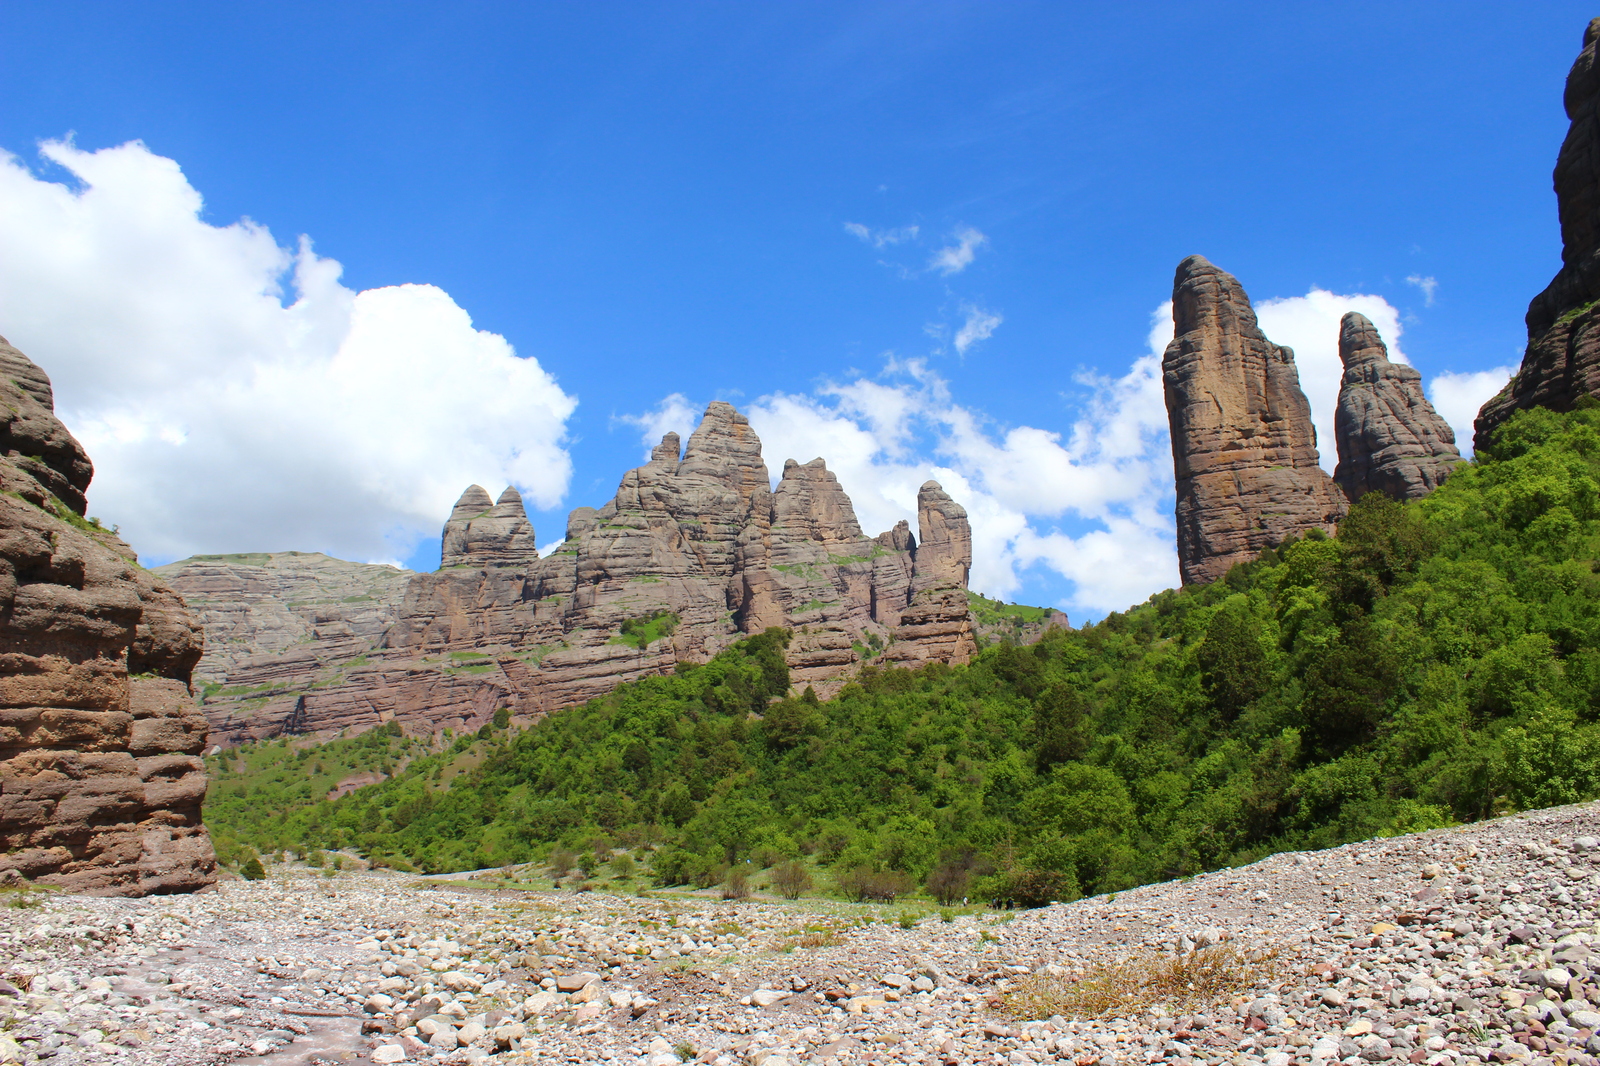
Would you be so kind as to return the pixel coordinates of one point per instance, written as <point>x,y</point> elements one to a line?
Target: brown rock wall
<point>100,786</point>
<point>1243,447</point>
<point>1390,438</point>
<point>700,536</point>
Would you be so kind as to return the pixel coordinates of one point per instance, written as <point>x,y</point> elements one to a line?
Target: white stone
<point>460,981</point>
<point>388,1053</point>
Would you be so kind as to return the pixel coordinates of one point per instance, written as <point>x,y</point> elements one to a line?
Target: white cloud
<point>1112,472</point>
<point>954,258</point>
<point>1457,398</point>
<point>1310,325</point>
<point>674,414</point>
<point>881,238</point>
<point>1428,285</point>
<point>979,326</point>
<point>220,418</point>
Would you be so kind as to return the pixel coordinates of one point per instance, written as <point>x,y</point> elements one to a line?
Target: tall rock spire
<point>938,622</point>
<point>1562,361</point>
<point>1243,446</point>
<point>1389,436</point>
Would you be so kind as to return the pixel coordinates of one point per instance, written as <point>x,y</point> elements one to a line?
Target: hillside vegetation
<point>1436,662</point>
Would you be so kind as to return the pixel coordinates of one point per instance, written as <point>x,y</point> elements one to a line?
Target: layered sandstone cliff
<point>282,621</point>
<point>1562,361</point>
<point>1243,446</point>
<point>100,779</point>
<point>696,550</point>
<point>1390,438</point>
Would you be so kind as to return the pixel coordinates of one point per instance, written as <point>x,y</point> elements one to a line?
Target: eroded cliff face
<point>1390,438</point>
<point>695,551</point>
<point>1562,361</point>
<point>1243,445</point>
<point>100,777</point>
<point>282,621</point>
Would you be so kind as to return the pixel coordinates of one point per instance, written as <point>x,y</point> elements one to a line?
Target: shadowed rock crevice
<point>1243,445</point>
<point>1390,438</point>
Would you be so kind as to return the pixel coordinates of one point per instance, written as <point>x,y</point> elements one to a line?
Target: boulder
<point>1244,449</point>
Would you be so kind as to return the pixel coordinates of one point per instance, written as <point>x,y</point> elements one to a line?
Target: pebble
<point>1462,947</point>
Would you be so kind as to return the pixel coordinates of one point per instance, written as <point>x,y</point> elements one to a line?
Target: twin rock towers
<point>1244,449</point>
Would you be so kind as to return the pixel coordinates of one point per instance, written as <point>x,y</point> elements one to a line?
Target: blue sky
<point>800,208</point>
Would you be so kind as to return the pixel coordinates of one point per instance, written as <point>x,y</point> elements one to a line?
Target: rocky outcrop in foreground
<point>1389,436</point>
<point>1459,947</point>
<point>696,550</point>
<point>1243,447</point>
<point>1562,361</point>
<point>100,780</point>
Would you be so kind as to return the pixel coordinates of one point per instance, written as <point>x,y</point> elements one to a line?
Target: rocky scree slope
<point>1456,947</point>
<point>695,550</point>
<point>100,777</point>
<point>1562,361</point>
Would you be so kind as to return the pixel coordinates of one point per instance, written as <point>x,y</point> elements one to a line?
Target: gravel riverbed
<point>1461,946</point>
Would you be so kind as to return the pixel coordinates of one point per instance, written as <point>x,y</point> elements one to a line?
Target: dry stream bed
<point>1468,945</point>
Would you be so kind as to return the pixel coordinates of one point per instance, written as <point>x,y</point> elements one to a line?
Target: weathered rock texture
<point>700,536</point>
<point>282,621</point>
<point>100,780</point>
<point>1243,446</point>
<point>1389,436</point>
<point>1562,361</point>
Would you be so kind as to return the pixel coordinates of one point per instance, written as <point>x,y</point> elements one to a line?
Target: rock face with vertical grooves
<point>696,539</point>
<point>1243,446</point>
<point>1389,436</point>
<point>937,625</point>
<point>1562,362</point>
<point>100,777</point>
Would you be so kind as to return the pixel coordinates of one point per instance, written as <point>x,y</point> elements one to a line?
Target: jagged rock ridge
<point>1562,361</point>
<point>1243,445</point>
<point>701,537</point>
<point>1390,438</point>
<point>100,780</point>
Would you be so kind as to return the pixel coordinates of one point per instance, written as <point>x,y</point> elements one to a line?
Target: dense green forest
<point>1435,662</point>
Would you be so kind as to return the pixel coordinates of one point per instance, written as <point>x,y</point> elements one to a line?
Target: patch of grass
<point>990,612</point>
<point>642,632</point>
<point>1138,983</point>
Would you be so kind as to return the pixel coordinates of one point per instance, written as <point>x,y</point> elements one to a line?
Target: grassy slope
<point>1436,662</point>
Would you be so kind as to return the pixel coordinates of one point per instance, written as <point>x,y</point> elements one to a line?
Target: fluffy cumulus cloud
<point>233,394</point>
<point>674,414</point>
<point>954,258</point>
<point>1092,504</point>
<point>1457,398</point>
